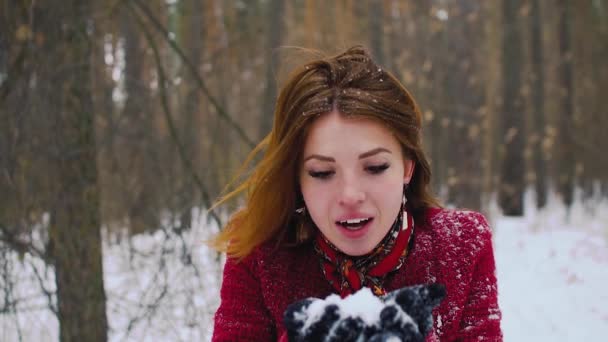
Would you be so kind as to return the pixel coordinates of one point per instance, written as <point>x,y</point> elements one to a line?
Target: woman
<point>340,200</point>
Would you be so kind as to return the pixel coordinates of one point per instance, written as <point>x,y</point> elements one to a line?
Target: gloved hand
<point>401,315</point>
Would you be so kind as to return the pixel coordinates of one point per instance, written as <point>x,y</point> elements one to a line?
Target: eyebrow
<point>361,156</point>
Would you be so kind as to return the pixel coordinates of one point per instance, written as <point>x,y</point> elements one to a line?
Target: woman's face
<point>352,178</point>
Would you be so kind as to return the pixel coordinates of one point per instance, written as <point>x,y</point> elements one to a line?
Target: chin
<point>356,251</point>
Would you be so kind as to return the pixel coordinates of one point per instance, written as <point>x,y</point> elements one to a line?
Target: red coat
<point>453,248</point>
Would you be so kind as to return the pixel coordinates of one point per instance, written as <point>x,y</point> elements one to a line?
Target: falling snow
<point>552,267</point>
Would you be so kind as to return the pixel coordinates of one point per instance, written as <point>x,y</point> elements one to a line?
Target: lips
<point>354,223</point>
<point>354,227</point>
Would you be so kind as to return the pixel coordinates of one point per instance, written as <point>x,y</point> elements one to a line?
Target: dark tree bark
<point>510,192</point>
<point>275,35</point>
<point>538,102</point>
<point>565,152</point>
<point>491,75</point>
<point>464,97</point>
<point>430,53</point>
<point>134,145</point>
<point>192,19</point>
<point>75,238</point>
<point>376,31</point>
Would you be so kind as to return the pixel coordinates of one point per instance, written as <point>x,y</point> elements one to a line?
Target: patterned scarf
<point>348,274</point>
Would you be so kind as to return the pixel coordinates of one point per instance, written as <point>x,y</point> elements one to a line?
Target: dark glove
<point>402,315</point>
<point>417,302</point>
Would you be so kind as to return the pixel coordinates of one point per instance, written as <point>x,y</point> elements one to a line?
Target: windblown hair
<point>353,84</point>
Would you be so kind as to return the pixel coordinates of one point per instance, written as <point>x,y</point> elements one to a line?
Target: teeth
<point>354,221</point>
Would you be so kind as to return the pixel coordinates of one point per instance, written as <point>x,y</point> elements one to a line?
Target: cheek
<point>388,193</point>
<point>316,196</point>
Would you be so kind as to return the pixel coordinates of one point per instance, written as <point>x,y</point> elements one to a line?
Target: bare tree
<point>565,151</point>
<point>512,167</point>
<point>537,93</point>
<point>276,8</point>
<point>376,30</point>
<point>75,238</point>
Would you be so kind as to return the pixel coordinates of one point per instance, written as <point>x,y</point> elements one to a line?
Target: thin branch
<point>12,240</point>
<point>47,293</point>
<point>9,298</point>
<point>149,309</point>
<point>169,119</point>
<point>192,68</point>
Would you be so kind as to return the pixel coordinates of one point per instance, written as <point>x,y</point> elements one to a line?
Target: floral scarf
<point>348,274</point>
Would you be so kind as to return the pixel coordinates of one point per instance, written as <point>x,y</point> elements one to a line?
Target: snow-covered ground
<point>159,287</point>
<point>552,269</point>
<point>553,272</point>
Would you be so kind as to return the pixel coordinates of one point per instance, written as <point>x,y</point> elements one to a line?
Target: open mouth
<point>354,224</point>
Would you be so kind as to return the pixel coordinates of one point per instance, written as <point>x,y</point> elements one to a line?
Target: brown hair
<point>355,85</point>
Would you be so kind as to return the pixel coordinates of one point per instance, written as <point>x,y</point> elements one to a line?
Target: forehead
<point>334,131</point>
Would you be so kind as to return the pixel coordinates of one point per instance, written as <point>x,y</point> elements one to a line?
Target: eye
<point>321,174</point>
<point>377,169</point>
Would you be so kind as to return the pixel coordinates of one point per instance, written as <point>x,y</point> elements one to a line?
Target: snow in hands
<point>401,315</point>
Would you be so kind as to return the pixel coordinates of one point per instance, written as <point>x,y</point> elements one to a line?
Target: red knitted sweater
<point>452,247</point>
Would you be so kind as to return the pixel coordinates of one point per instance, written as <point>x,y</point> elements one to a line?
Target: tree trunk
<point>192,36</point>
<point>75,237</point>
<point>565,153</point>
<point>492,76</point>
<point>376,22</point>
<point>510,195</point>
<point>538,101</point>
<point>275,34</point>
<point>464,99</point>
<point>133,147</point>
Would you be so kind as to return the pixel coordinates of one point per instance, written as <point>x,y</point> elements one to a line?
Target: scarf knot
<point>348,274</point>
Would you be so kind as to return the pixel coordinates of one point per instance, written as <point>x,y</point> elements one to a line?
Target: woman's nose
<point>352,193</point>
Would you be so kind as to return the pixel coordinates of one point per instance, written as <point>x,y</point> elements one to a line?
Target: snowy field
<point>160,287</point>
<point>552,270</point>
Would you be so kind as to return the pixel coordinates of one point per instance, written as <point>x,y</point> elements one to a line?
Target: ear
<point>408,170</point>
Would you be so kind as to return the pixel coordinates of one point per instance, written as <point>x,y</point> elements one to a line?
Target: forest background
<point>125,117</point>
